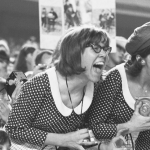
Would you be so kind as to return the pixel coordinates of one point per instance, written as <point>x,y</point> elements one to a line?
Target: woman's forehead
<point>100,39</point>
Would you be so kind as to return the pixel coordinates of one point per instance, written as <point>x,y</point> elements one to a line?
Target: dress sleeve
<point>29,102</point>
<point>101,118</point>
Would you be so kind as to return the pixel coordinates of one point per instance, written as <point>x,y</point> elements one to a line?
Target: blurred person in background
<point>4,62</point>
<point>31,42</point>
<point>44,57</point>
<point>25,60</point>
<point>43,61</point>
<point>4,100</point>
<point>4,46</point>
<point>117,57</point>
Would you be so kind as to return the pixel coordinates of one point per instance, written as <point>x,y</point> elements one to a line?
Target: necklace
<point>70,96</point>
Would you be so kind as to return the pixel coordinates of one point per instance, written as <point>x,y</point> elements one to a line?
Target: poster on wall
<point>71,13</point>
<point>104,16</point>
<point>50,22</point>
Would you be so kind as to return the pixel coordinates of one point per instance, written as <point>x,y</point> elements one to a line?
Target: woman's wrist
<point>126,125</point>
<point>56,139</point>
<point>103,146</point>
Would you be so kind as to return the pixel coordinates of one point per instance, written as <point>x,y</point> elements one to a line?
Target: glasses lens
<point>96,48</point>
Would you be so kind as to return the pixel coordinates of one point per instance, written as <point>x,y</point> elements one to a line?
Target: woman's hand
<point>75,139</point>
<point>4,110</point>
<point>138,122</point>
<point>113,144</point>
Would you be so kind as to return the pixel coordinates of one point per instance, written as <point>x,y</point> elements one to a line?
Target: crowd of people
<point>79,95</point>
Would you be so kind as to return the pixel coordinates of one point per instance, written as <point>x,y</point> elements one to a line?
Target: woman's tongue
<point>98,67</point>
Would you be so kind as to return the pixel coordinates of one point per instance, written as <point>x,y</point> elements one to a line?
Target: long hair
<point>21,64</point>
<point>72,45</point>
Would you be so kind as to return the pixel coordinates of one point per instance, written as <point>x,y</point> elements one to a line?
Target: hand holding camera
<point>13,84</point>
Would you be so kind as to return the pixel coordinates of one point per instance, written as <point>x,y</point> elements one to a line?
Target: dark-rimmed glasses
<point>98,48</point>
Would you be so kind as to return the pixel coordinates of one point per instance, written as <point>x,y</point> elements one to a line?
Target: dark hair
<point>73,44</point>
<point>21,64</point>
<point>4,138</point>
<point>134,67</point>
<point>39,56</point>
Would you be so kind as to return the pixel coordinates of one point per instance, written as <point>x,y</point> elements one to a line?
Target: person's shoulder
<point>110,73</point>
<point>114,70</point>
<point>38,79</point>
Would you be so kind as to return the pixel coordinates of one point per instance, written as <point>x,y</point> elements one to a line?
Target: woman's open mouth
<point>98,66</point>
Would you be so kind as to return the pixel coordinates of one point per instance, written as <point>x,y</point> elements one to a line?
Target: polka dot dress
<point>35,114</point>
<point>109,108</point>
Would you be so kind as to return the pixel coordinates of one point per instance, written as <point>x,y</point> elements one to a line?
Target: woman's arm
<point>101,118</point>
<point>137,122</point>
<point>71,140</point>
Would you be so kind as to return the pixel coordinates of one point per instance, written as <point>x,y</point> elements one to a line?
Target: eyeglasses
<point>98,48</point>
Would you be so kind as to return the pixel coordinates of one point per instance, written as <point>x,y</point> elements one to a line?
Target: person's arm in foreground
<point>137,122</point>
<point>102,108</point>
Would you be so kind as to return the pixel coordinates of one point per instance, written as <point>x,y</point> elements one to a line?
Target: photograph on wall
<point>104,16</point>
<point>77,12</point>
<point>50,22</point>
<point>86,11</point>
<point>72,16</point>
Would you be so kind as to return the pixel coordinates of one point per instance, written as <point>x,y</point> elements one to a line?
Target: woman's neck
<point>139,86</point>
<point>143,78</point>
<point>76,86</point>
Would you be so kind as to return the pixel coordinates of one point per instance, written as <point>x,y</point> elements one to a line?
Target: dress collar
<point>125,89</point>
<point>63,109</point>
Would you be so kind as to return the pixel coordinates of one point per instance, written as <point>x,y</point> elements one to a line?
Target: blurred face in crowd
<point>3,68</point>
<point>30,61</point>
<point>117,57</point>
<point>95,63</point>
<point>46,59</point>
<point>2,48</point>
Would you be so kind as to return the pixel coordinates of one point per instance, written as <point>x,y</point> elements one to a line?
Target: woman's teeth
<point>99,65</point>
